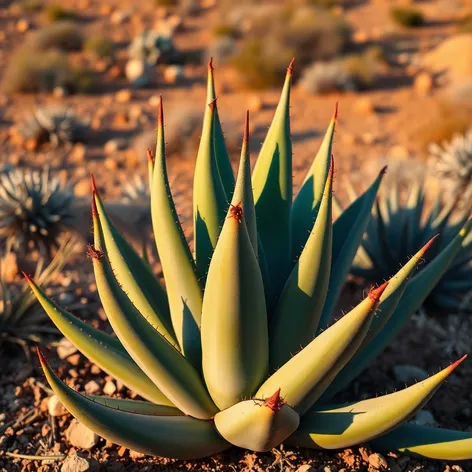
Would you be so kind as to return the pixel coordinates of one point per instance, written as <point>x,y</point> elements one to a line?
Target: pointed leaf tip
<point>210,65</point>
<point>290,67</point>
<point>336,109</point>
<point>274,402</point>
<point>429,243</point>
<point>246,128</point>
<point>94,186</point>
<point>456,364</point>
<point>160,113</point>
<point>376,293</point>
<point>42,358</point>
<point>383,170</point>
<point>26,276</point>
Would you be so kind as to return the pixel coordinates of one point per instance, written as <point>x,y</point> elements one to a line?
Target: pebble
<point>82,187</point>
<point>255,103</point>
<point>423,84</point>
<point>136,455</point>
<point>378,462</point>
<point>92,387</point>
<point>114,145</point>
<point>398,152</point>
<point>305,468</point>
<point>109,388</point>
<point>364,106</point>
<point>55,407</point>
<point>23,25</point>
<point>406,373</point>
<point>119,17</point>
<point>173,74</point>
<point>9,267</point>
<point>138,72</point>
<point>65,348</point>
<point>80,436</point>
<point>123,96</point>
<point>75,463</point>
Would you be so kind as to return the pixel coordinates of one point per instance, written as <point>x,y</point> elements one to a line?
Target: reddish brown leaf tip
<point>290,67</point>
<point>236,212</point>
<point>210,65</point>
<point>383,170</point>
<point>93,253</point>
<point>376,293</point>
<point>94,185</point>
<point>94,204</point>
<point>160,113</point>
<point>150,155</point>
<point>246,129</point>
<point>336,109</point>
<point>331,167</point>
<point>275,402</point>
<point>41,356</point>
<point>456,364</point>
<point>27,277</point>
<point>212,104</point>
<point>429,243</point>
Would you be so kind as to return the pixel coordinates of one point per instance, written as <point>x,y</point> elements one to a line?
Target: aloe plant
<point>403,221</point>
<point>239,349</point>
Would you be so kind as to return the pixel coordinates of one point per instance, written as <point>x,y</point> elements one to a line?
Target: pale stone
<point>65,348</point>
<point>80,436</point>
<point>55,407</point>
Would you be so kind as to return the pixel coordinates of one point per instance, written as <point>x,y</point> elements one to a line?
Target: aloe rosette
<point>240,348</point>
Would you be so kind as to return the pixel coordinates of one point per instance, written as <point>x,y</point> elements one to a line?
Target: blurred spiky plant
<point>35,208</point>
<point>54,125</point>
<point>22,319</point>
<point>451,163</point>
<point>403,220</point>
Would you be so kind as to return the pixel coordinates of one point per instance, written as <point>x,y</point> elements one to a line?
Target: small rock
<point>122,451</point>
<point>368,139</point>
<point>423,84</point>
<point>75,464</point>
<point>365,453</point>
<point>124,96</point>
<point>255,103</point>
<point>9,267</point>
<point>425,418</point>
<point>139,72</point>
<point>109,388</point>
<point>406,373</point>
<point>378,462</point>
<point>114,145</point>
<point>119,17</point>
<point>136,455</point>
<point>60,92</point>
<point>80,436</point>
<point>82,187</point>
<point>92,387</point>
<point>23,25</point>
<point>305,468</point>
<point>65,348</point>
<point>360,36</point>
<point>173,74</point>
<point>55,407</point>
<point>327,468</point>
<point>95,370</point>
<point>457,468</point>
<point>154,100</point>
<point>398,152</point>
<point>364,106</point>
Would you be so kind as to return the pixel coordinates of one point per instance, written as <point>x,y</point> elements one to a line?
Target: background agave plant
<point>35,208</point>
<point>239,350</point>
<point>21,317</point>
<point>402,221</point>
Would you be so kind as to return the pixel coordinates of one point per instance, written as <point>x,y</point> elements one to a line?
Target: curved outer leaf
<point>307,202</point>
<point>415,293</point>
<point>183,289</point>
<point>135,276</point>
<point>181,437</point>
<point>421,441</point>
<point>272,186</point>
<point>388,302</point>
<point>159,360</point>
<point>306,376</point>
<point>346,425</point>
<point>235,342</point>
<point>258,425</point>
<point>209,198</point>
<point>223,160</point>
<point>348,230</point>
<point>135,406</point>
<point>104,350</point>
<point>295,321</point>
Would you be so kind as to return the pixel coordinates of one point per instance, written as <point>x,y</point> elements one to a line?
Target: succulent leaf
<point>295,321</point>
<point>308,200</point>
<point>258,425</point>
<point>209,198</point>
<point>183,289</point>
<point>272,186</point>
<point>221,152</point>
<point>181,437</point>
<point>235,340</point>
<point>304,378</point>
<point>342,426</point>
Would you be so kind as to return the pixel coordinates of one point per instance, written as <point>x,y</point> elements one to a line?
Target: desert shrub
<point>408,17</point>
<point>36,71</point>
<point>99,46</point>
<point>55,12</point>
<point>362,68</point>
<point>63,35</point>
<point>221,49</point>
<point>31,6</point>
